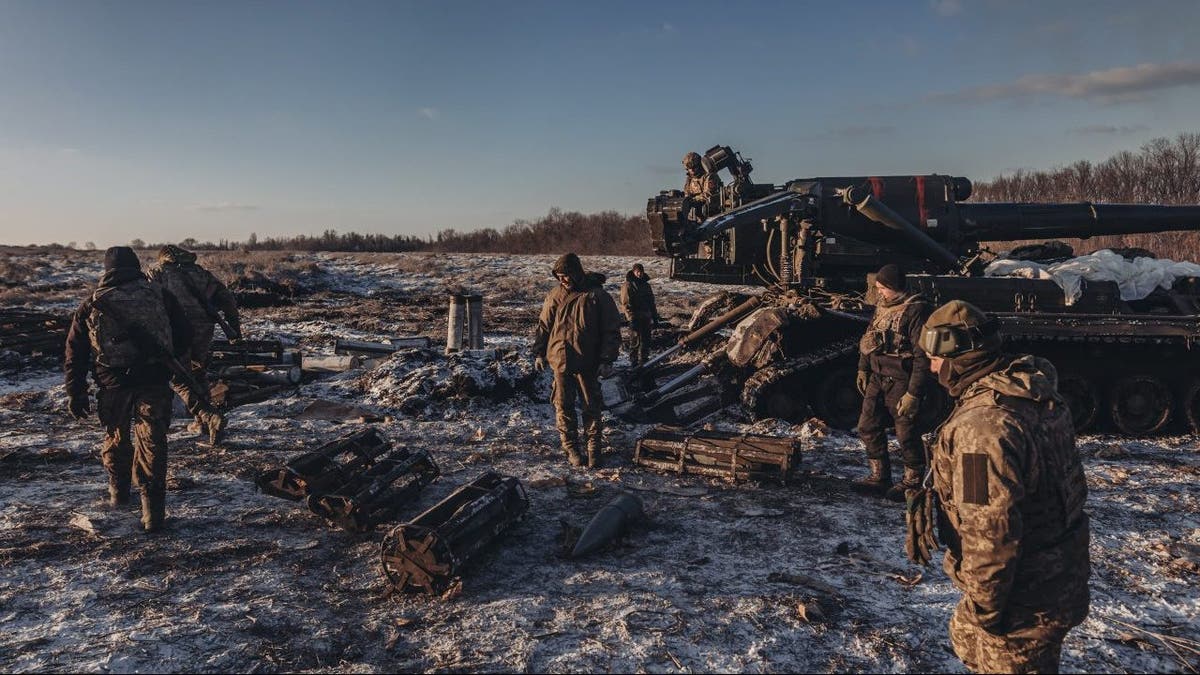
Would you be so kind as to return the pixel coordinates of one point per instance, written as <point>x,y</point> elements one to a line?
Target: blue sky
<point>163,120</point>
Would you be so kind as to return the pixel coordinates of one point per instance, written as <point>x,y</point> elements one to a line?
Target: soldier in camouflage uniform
<point>118,333</point>
<point>892,373</point>
<point>1012,492</point>
<point>637,303</point>
<point>578,336</point>
<point>202,296</point>
<point>701,188</point>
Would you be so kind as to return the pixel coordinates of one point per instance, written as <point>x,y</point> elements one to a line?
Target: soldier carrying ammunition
<point>127,333</point>
<point>637,303</point>
<point>1012,491</point>
<point>579,336</point>
<point>701,187</point>
<point>204,299</point>
<point>892,372</point>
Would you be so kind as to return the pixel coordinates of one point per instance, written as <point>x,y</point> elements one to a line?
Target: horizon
<point>140,120</point>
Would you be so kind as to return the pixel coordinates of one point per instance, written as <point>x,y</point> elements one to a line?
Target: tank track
<point>758,385</point>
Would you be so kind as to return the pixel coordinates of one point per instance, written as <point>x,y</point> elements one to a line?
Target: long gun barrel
<point>1010,222</point>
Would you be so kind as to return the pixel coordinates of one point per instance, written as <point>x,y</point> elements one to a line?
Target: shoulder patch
<point>975,478</point>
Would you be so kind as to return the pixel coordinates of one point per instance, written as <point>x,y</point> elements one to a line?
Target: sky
<point>215,120</point>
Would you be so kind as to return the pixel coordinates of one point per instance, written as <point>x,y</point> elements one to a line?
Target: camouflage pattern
<point>637,303</point>
<point>111,306</point>
<point>704,189</point>
<point>1012,492</point>
<point>200,294</point>
<point>136,421</point>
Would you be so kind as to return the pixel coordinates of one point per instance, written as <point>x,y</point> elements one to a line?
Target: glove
<point>606,370</point>
<point>908,406</point>
<point>80,406</point>
<point>539,364</point>
<point>919,516</point>
<point>861,380</point>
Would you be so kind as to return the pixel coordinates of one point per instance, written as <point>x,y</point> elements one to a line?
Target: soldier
<point>637,303</point>
<point>201,295</point>
<point>892,372</point>
<point>701,187</point>
<point>123,333</point>
<point>579,335</point>
<point>1012,493</point>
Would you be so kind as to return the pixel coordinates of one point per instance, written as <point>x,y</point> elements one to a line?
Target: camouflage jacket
<point>81,356</point>
<point>199,293</point>
<point>579,330</point>
<point>637,298</point>
<point>704,189</point>
<point>889,346</point>
<point>1012,493</point>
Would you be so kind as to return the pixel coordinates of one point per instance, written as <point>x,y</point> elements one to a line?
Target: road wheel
<point>1140,404</point>
<point>838,401</point>
<point>1082,398</point>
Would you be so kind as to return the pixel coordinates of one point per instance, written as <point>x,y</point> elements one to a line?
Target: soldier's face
<point>565,281</point>
<point>886,293</point>
<point>935,364</point>
<point>639,273</point>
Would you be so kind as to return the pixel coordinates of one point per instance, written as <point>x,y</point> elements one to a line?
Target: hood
<point>174,254</point>
<point>121,257</point>
<point>1030,377</point>
<point>593,280</point>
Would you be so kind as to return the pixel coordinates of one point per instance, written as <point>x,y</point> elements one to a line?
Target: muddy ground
<point>796,578</point>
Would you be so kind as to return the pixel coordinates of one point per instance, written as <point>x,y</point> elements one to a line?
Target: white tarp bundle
<point>1136,278</point>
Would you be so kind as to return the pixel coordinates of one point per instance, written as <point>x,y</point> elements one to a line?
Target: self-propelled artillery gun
<point>790,351</point>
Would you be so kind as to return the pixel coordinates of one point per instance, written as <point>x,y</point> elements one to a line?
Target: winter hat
<point>121,256</point>
<point>175,254</point>
<point>891,276</point>
<point>570,265</point>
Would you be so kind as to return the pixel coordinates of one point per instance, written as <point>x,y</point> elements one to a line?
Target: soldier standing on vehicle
<point>637,303</point>
<point>578,336</point>
<point>204,299</point>
<point>892,372</point>
<point>1012,492</point>
<point>702,188</point>
<point>124,333</point>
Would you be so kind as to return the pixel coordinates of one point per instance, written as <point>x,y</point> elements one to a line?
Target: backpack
<point>113,343</point>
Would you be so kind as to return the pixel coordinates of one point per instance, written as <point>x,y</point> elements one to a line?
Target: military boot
<point>880,478</point>
<point>195,426</point>
<point>913,475</point>
<point>571,447</point>
<point>118,492</point>
<point>216,428</point>
<point>154,510</point>
<point>593,454</point>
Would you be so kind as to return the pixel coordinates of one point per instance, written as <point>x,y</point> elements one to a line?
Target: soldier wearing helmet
<point>701,187</point>
<point>1012,491</point>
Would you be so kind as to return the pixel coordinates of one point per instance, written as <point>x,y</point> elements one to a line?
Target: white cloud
<point>946,7</point>
<point>1113,85</point>
<point>428,113</point>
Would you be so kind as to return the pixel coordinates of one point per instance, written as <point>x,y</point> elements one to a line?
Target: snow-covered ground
<point>800,578</point>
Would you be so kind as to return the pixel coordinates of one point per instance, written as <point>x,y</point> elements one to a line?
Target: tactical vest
<point>884,336</point>
<point>140,302</point>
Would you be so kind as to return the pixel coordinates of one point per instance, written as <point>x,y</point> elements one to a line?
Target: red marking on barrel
<point>921,199</point>
<point>877,186</point>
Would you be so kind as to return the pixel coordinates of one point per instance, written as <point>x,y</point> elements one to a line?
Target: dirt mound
<point>413,379</point>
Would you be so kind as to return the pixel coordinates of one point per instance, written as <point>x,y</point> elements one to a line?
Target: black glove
<point>80,406</point>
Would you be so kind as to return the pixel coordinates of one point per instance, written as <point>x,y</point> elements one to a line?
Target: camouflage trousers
<point>196,361</point>
<point>1025,652</point>
<point>639,339</point>
<point>136,420</point>
<point>879,412</point>
<point>583,388</point>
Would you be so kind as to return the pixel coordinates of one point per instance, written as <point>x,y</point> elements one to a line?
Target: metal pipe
<point>881,213</point>
<point>455,323</point>
<point>474,322</point>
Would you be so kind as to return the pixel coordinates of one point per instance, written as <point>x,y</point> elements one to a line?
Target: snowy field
<point>808,577</point>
